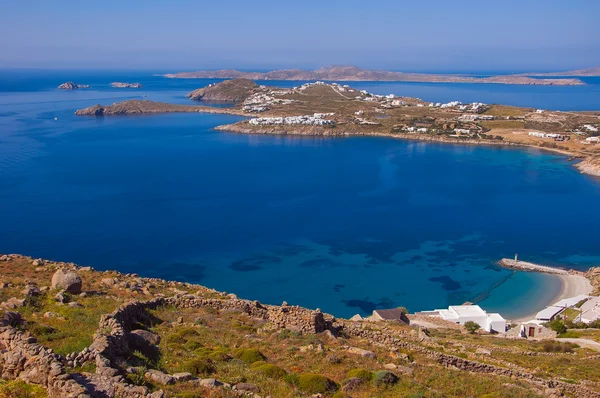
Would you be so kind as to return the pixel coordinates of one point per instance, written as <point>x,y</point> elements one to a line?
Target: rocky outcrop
<point>235,90</point>
<point>590,166</point>
<point>66,280</point>
<point>135,107</point>
<point>126,85</point>
<point>72,86</point>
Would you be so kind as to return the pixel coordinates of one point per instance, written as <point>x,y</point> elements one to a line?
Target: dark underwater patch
<point>365,306</point>
<point>320,263</point>
<point>446,282</point>
<point>253,263</point>
<point>337,288</point>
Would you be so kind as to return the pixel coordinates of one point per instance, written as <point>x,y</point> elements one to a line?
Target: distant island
<point>72,86</point>
<point>595,71</point>
<point>353,73</point>
<point>332,109</point>
<point>126,85</point>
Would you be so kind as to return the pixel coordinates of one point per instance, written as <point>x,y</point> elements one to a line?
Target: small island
<point>332,109</point>
<point>126,85</point>
<point>72,86</point>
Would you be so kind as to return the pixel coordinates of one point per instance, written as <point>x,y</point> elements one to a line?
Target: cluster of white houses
<point>587,306</point>
<point>307,120</point>
<point>261,102</point>
<point>555,136</point>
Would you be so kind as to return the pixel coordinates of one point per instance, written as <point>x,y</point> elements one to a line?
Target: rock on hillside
<point>72,86</point>
<point>69,281</point>
<point>235,90</point>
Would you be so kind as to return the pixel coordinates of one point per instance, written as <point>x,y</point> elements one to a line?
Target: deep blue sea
<point>343,224</point>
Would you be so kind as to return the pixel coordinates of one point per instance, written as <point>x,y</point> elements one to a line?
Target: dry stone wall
<point>22,358</point>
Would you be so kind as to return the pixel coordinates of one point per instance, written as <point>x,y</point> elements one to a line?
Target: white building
<point>592,139</point>
<point>464,313</point>
<point>590,310</point>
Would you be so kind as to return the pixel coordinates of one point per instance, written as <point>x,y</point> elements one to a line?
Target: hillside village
<point>71,331</point>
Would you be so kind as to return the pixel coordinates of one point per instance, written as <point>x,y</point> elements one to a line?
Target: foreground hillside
<point>70,331</point>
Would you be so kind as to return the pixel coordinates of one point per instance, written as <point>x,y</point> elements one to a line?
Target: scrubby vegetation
<point>233,347</point>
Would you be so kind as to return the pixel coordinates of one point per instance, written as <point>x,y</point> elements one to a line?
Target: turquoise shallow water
<point>346,225</point>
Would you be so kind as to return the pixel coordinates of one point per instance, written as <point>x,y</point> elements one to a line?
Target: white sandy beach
<point>571,285</point>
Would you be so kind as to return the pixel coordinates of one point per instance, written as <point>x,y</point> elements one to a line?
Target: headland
<point>331,109</point>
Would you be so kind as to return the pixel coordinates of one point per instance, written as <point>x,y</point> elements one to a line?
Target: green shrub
<point>183,335</point>
<point>291,378</point>
<point>362,374</point>
<point>384,378</point>
<point>472,327</point>
<point>315,384</point>
<point>199,366</point>
<point>42,330</point>
<point>270,370</point>
<point>249,355</point>
<point>192,345</point>
<point>557,325</point>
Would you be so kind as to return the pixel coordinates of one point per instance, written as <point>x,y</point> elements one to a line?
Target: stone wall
<point>283,317</point>
<point>22,358</point>
<point>389,340</point>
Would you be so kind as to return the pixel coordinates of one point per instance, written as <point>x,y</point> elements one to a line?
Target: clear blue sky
<point>261,34</point>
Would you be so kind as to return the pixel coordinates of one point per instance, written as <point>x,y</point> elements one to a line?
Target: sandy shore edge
<point>571,285</point>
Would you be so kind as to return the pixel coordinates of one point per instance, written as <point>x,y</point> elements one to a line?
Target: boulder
<point>352,384</point>
<point>160,377</point>
<point>67,280</point>
<point>142,338</point>
<point>13,303</point>
<point>10,318</point>
<point>185,376</point>
<point>361,352</point>
<point>210,383</point>
<point>31,290</point>
<point>248,387</point>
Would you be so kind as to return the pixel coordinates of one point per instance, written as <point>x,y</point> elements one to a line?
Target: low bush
<point>557,346</point>
<point>315,384</point>
<point>270,370</point>
<point>249,355</point>
<point>199,367</point>
<point>362,374</point>
<point>384,378</point>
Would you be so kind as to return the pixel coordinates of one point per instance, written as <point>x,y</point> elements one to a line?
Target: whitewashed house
<point>461,314</point>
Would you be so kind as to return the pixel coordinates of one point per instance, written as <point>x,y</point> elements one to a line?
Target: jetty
<point>525,266</point>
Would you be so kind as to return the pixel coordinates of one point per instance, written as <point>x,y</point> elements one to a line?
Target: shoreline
<point>583,164</point>
<point>571,286</point>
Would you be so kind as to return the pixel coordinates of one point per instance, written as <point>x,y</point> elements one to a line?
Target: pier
<point>525,266</point>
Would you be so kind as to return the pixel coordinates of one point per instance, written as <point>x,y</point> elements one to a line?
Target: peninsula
<point>72,331</point>
<point>595,71</point>
<point>331,109</point>
<point>353,73</point>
